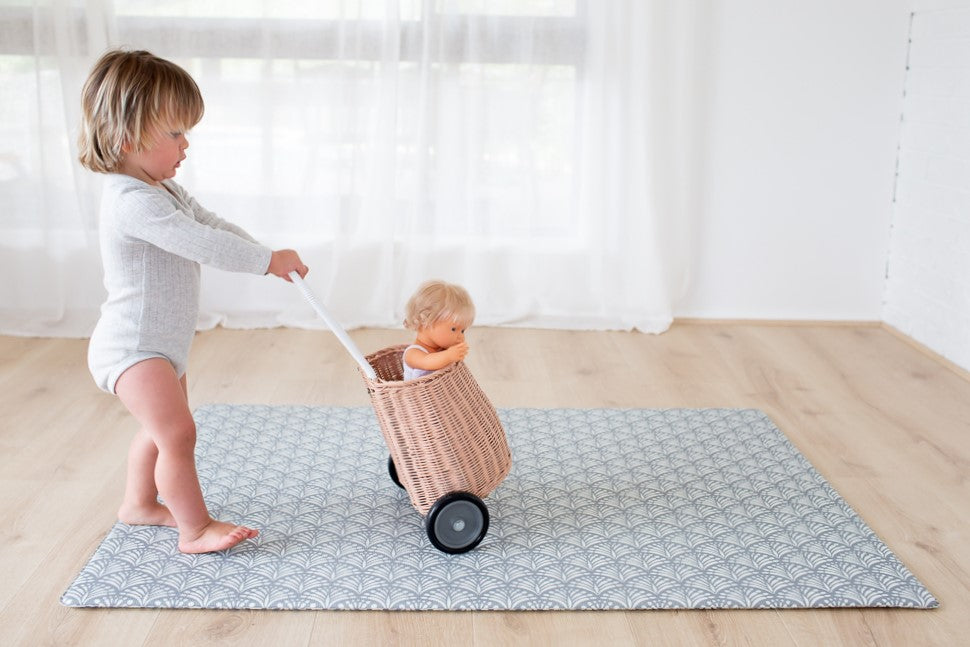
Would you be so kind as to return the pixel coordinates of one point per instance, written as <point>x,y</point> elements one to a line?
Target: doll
<point>439,313</point>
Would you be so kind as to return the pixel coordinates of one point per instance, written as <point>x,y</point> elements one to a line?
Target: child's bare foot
<point>153,514</point>
<point>216,535</point>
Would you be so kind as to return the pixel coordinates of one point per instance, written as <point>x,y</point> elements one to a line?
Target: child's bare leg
<point>153,394</point>
<point>140,505</point>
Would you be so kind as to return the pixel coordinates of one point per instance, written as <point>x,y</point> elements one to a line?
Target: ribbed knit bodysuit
<point>153,241</point>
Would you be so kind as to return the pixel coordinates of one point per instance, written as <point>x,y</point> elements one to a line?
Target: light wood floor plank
<point>191,627</point>
<point>886,423</point>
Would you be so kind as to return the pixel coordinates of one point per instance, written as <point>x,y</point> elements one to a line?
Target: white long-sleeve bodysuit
<point>153,241</point>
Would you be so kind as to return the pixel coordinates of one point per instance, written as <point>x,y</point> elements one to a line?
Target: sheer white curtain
<point>536,151</point>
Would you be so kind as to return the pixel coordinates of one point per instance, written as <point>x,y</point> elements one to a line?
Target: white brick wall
<point>928,272</point>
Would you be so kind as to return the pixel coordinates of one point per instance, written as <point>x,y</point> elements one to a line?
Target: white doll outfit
<point>411,373</point>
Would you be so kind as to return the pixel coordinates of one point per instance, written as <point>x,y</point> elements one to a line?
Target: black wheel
<point>392,470</point>
<point>457,522</point>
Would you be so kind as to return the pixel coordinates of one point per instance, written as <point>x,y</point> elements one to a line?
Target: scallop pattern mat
<point>603,509</point>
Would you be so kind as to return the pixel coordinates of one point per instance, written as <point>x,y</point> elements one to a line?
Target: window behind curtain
<point>474,136</point>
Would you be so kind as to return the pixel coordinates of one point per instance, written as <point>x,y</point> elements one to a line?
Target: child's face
<point>158,162</point>
<point>446,333</point>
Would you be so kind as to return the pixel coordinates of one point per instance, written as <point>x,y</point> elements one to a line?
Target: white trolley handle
<point>334,326</point>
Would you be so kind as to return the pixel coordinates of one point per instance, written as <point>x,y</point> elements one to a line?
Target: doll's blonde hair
<point>435,301</point>
<point>128,100</point>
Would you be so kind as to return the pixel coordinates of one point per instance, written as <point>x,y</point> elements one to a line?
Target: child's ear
<point>127,146</point>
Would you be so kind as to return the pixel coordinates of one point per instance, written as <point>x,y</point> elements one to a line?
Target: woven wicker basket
<point>442,432</point>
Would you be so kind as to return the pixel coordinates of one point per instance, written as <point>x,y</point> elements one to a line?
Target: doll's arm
<point>417,358</point>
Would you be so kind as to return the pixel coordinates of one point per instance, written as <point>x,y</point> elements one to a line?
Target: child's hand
<point>457,352</point>
<point>284,261</point>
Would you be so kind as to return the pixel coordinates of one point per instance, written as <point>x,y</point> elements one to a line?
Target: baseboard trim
<point>925,350</point>
<point>835,323</point>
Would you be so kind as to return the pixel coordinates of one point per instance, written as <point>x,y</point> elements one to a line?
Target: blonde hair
<point>436,300</point>
<point>129,98</point>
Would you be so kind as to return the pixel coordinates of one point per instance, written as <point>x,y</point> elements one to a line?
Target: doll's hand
<point>284,261</point>
<point>457,352</point>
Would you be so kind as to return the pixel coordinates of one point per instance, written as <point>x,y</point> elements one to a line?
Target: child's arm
<point>281,262</point>
<point>148,216</point>
<point>206,217</point>
<point>417,358</point>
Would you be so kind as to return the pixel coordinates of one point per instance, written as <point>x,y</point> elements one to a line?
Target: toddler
<point>440,313</point>
<point>136,111</point>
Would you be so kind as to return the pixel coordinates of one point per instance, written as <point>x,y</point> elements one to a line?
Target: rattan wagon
<point>447,446</point>
<point>448,449</point>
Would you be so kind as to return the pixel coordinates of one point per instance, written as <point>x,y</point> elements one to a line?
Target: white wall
<point>798,159</point>
<point>928,283</point>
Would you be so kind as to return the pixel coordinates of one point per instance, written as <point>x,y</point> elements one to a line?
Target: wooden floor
<point>886,424</point>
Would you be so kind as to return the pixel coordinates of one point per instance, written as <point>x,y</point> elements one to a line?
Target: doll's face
<point>446,333</point>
